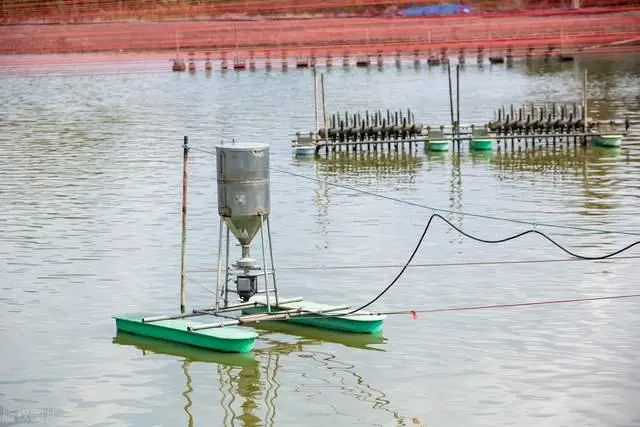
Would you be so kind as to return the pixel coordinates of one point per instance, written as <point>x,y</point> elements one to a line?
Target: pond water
<point>90,193</point>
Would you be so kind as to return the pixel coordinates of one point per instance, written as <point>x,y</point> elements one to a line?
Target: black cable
<point>506,239</point>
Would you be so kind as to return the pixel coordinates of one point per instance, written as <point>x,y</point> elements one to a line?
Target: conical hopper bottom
<point>244,227</point>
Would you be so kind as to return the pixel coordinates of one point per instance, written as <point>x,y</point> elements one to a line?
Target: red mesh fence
<point>109,25</point>
<point>349,35</point>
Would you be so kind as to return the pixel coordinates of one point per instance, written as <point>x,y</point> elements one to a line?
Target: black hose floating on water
<point>478,239</point>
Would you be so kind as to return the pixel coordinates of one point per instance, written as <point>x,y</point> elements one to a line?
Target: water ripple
<point>90,215</point>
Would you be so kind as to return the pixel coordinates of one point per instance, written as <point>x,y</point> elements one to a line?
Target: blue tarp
<point>437,9</point>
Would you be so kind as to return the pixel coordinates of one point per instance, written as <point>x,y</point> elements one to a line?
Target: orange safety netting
<point>336,36</point>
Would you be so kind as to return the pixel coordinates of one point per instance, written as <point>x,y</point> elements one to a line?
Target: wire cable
<point>426,265</point>
<point>413,313</point>
<point>451,211</point>
<point>496,241</point>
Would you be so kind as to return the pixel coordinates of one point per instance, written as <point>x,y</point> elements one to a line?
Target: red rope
<point>414,313</point>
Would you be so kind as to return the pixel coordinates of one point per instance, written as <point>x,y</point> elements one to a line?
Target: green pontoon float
<point>481,140</point>
<point>437,140</point>
<point>608,141</point>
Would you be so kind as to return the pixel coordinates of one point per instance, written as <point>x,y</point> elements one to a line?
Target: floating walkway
<point>243,207</point>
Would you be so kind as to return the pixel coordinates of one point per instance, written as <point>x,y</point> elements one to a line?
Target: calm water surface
<point>90,187</point>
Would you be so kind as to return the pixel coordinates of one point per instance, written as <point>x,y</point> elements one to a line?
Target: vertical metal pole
<point>273,267</point>
<point>584,101</point>
<point>315,97</point>
<point>218,273</point>
<point>324,108</point>
<point>226,270</point>
<point>183,291</point>
<point>458,101</point>
<point>264,263</point>
<point>450,93</point>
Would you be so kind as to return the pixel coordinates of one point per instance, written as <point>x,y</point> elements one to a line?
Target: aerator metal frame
<point>251,273</point>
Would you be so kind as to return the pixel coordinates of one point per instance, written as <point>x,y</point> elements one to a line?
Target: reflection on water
<point>602,88</point>
<point>537,66</point>
<point>247,381</point>
<point>151,345</point>
<point>401,166</point>
<point>187,393</point>
<point>242,384</point>
<point>482,156</point>
<point>590,162</point>
<point>543,159</point>
<point>598,169</point>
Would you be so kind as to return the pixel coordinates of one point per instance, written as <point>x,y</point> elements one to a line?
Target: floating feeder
<point>208,66</point>
<point>302,62</point>
<point>192,62</point>
<point>563,57</point>
<point>224,66</point>
<point>267,61</point>
<point>363,61</point>
<point>244,209</point>
<point>239,64</point>
<point>433,60</point>
<point>252,60</point>
<point>178,65</point>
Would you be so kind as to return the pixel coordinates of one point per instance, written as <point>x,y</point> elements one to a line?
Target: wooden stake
<point>324,108</point>
<point>584,101</point>
<point>450,94</point>
<point>315,98</point>
<point>183,295</point>
<point>458,102</point>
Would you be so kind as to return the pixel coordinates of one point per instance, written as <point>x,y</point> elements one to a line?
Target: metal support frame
<point>211,311</point>
<point>281,315</point>
<point>268,269</point>
<point>264,263</point>
<point>218,272</point>
<point>226,268</point>
<point>273,267</point>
